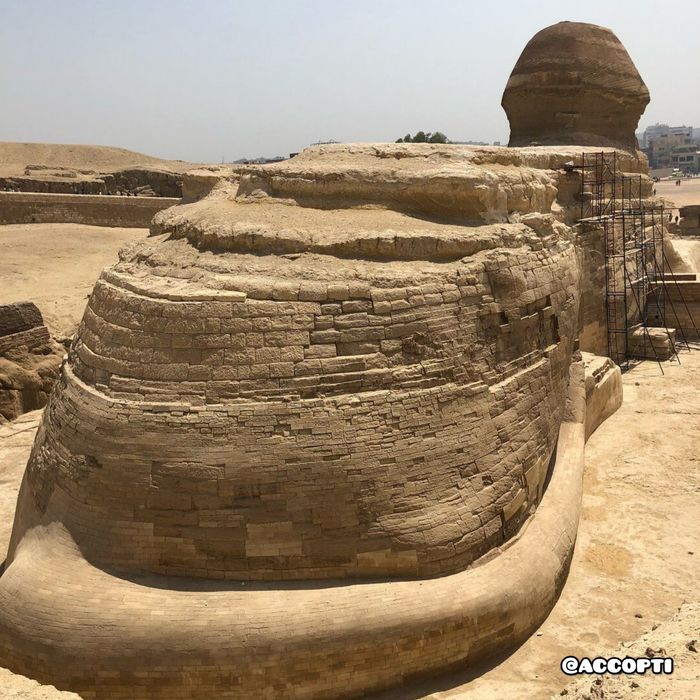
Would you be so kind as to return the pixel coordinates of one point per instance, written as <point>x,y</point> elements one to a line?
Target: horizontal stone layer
<point>175,638</point>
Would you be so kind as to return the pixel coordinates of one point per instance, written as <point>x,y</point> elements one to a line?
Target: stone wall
<point>593,329</point>
<point>96,210</point>
<point>15,318</point>
<point>432,382</point>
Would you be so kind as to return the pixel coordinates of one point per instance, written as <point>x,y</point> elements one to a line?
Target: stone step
<point>651,343</point>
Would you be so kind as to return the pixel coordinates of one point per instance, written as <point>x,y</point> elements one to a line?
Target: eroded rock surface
<point>574,83</point>
<point>29,360</point>
<point>352,365</point>
<point>14,687</point>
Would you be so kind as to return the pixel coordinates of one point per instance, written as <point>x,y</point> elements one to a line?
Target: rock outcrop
<point>351,366</point>
<point>29,360</point>
<point>199,182</point>
<point>86,170</point>
<point>574,83</point>
<point>138,182</point>
<point>16,687</point>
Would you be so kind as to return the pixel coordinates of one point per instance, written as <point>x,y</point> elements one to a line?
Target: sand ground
<point>687,193</point>
<point>15,157</point>
<point>637,558</point>
<point>679,196</point>
<point>56,265</point>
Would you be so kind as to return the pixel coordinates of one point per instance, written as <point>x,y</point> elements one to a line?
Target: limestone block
<point>603,390</point>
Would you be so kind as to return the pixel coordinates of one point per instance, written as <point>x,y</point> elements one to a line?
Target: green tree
<point>423,137</point>
<point>437,137</point>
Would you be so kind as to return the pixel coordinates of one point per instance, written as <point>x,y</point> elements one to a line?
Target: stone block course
<point>372,399</point>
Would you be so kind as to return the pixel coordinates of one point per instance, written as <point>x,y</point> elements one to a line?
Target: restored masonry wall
<point>593,330</point>
<point>320,381</point>
<point>684,295</point>
<point>422,381</point>
<point>95,210</point>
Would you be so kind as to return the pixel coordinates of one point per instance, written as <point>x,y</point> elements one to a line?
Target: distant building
<point>671,147</point>
<point>685,158</point>
<point>472,143</point>
<point>658,131</point>
<point>261,160</point>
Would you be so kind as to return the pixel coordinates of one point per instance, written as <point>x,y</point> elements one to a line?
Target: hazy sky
<point>203,79</point>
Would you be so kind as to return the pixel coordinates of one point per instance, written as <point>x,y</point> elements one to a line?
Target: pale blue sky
<point>203,79</point>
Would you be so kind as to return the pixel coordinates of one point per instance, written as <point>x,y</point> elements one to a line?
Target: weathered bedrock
<point>312,395</point>
<point>137,181</point>
<point>574,83</point>
<point>302,393</point>
<point>29,360</point>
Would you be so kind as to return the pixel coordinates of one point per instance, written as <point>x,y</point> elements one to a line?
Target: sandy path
<point>56,265</point>
<point>687,193</point>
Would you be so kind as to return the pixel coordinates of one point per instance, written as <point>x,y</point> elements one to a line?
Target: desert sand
<point>15,157</point>
<point>688,192</point>
<point>55,266</point>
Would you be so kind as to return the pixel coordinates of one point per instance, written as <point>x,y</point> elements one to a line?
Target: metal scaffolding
<point>636,294</point>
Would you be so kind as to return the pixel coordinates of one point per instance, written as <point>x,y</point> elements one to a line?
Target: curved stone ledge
<point>603,390</point>
<point>429,245</point>
<point>178,638</point>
